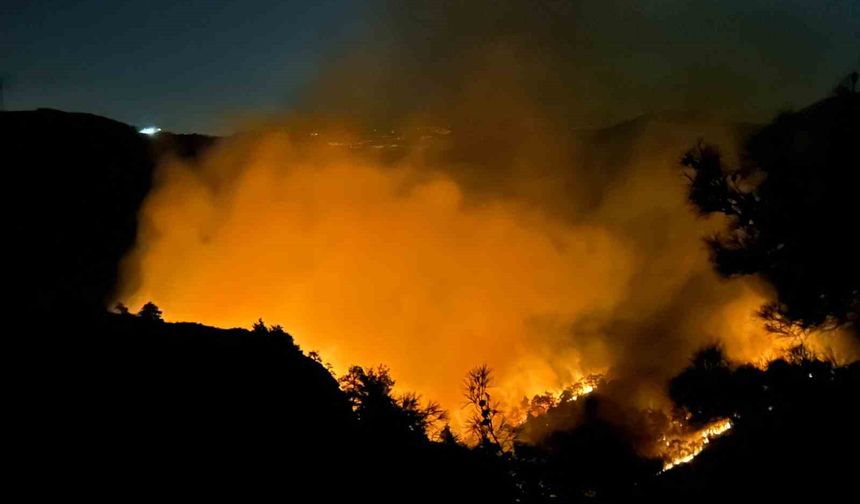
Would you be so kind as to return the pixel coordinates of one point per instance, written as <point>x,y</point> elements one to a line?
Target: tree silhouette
<point>848,85</point>
<point>150,311</point>
<point>791,203</point>
<point>487,424</point>
<point>370,392</point>
<point>704,387</point>
<point>259,328</point>
<point>276,333</point>
<point>448,437</point>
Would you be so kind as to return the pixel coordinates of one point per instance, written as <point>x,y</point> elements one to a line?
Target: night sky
<point>185,65</point>
<point>200,65</point>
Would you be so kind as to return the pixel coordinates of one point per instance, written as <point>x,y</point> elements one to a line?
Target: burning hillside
<point>433,259</point>
<point>449,214</point>
<point>490,250</point>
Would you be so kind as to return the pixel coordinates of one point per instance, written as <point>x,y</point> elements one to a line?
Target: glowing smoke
<point>478,227</point>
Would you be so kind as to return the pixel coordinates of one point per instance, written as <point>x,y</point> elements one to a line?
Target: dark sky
<point>200,65</point>
<point>184,65</point>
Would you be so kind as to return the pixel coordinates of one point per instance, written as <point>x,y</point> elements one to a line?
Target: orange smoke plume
<point>369,257</point>
<point>480,228</point>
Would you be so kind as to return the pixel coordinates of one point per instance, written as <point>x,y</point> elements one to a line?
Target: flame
<point>541,403</point>
<point>683,448</point>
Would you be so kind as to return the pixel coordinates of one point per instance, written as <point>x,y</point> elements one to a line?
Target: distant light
<point>150,130</point>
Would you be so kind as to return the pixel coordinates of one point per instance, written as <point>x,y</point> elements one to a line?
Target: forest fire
<point>541,404</point>
<point>498,251</point>
<point>371,259</point>
<point>474,225</point>
<point>682,450</point>
<point>672,440</point>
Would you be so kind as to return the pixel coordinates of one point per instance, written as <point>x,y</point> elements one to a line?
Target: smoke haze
<point>432,206</point>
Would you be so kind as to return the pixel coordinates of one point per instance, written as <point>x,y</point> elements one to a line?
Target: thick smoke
<point>432,207</point>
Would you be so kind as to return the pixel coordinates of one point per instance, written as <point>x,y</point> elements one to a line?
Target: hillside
<point>74,184</point>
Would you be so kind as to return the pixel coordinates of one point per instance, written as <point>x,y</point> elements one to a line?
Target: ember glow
<point>683,449</point>
<point>540,404</point>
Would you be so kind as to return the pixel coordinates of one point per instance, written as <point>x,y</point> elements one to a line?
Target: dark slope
<point>163,407</point>
<point>130,407</point>
<point>73,184</point>
<point>794,438</point>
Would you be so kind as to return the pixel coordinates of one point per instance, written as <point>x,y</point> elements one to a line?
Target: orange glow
<point>476,229</point>
<point>410,262</point>
<point>682,449</point>
<point>370,264</point>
